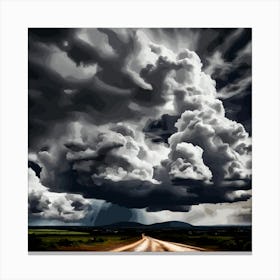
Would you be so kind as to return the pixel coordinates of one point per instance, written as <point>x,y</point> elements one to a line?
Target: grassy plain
<point>213,240</point>
<point>104,239</point>
<point>64,240</point>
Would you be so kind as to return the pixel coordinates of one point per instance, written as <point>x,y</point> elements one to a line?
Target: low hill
<point>164,225</point>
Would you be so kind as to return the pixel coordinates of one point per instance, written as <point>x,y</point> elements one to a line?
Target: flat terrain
<point>63,240</point>
<point>137,239</point>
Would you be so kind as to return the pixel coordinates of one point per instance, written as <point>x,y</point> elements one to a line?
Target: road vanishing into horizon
<point>149,244</point>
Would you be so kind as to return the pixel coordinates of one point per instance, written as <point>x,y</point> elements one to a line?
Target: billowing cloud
<point>120,116</point>
<point>187,163</point>
<point>219,137</point>
<point>45,204</point>
<point>203,123</point>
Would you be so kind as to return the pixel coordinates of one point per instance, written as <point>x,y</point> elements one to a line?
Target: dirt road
<point>149,244</point>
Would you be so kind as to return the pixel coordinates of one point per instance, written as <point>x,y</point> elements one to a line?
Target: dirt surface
<point>149,244</point>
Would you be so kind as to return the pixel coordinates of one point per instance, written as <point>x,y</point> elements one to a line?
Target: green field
<point>104,239</point>
<point>211,241</point>
<point>55,232</point>
<point>64,240</point>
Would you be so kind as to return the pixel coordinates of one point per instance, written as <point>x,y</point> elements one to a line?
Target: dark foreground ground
<point>106,239</point>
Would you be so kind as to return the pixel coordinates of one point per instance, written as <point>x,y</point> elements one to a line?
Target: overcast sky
<point>145,125</point>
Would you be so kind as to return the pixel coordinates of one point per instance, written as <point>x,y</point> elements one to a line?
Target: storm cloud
<point>123,116</point>
<point>50,205</point>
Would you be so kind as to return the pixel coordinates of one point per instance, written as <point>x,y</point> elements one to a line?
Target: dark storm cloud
<point>175,195</point>
<point>229,61</point>
<point>112,213</point>
<point>35,167</point>
<point>110,165</point>
<point>243,37</point>
<point>105,96</point>
<point>45,204</point>
<point>160,130</point>
<point>204,41</point>
<point>133,81</point>
<point>51,35</point>
<point>49,105</point>
<point>141,194</point>
<point>239,108</point>
<point>110,91</point>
